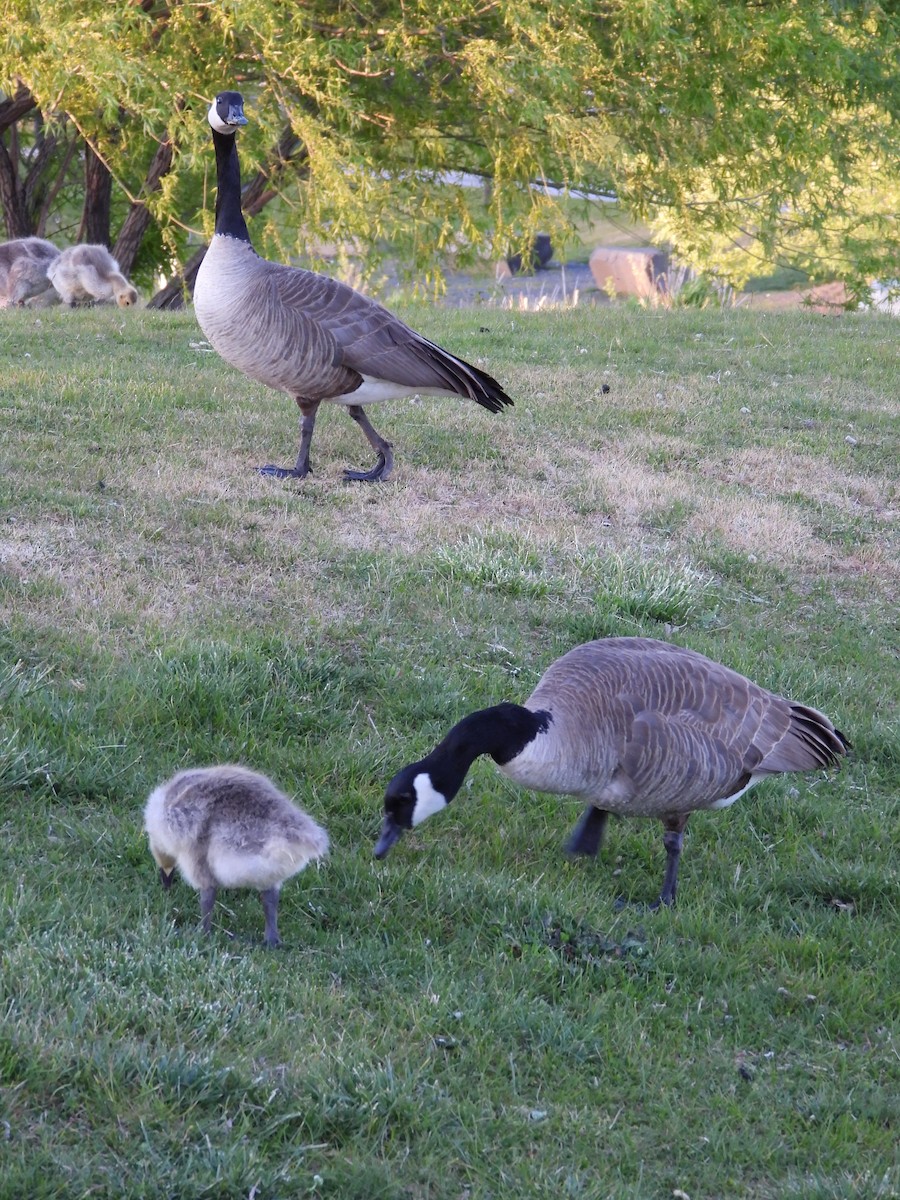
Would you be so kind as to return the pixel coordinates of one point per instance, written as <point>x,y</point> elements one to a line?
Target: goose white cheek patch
<point>428,800</point>
<point>216,121</point>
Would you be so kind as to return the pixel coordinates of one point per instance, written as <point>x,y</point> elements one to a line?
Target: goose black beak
<point>236,115</point>
<point>390,832</point>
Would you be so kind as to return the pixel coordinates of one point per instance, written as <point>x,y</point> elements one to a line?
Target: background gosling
<point>230,827</point>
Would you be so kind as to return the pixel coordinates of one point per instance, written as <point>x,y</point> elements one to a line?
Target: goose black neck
<point>229,218</point>
<point>502,731</point>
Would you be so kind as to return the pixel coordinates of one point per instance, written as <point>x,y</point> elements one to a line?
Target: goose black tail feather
<point>826,744</point>
<point>466,379</point>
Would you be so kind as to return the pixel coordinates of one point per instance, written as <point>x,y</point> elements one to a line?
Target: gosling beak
<point>390,832</point>
<point>165,878</point>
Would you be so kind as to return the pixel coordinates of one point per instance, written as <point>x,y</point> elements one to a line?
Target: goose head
<point>425,787</point>
<point>409,799</point>
<point>226,113</point>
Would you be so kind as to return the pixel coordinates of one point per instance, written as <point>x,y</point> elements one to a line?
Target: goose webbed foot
<point>378,473</point>
<point>382,448</point>
<point>272,472</point>
<point>587,837</point>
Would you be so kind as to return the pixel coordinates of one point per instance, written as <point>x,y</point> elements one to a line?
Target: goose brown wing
<point>699,731</point>
<point>811,742</point>
<point>365,338</point>
<point>685,731</point>
<point>675,766</point>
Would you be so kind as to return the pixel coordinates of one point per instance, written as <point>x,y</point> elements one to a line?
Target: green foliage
<point>752,133</point>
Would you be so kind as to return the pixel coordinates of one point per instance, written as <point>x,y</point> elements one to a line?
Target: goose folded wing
<point>676,766</point>
<point>368,339</point>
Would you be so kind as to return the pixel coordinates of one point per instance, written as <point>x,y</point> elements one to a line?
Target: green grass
<point>473,1019</point>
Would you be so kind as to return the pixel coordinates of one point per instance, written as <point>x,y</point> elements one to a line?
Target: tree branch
<point>15,107</point>
<point>128,243</point>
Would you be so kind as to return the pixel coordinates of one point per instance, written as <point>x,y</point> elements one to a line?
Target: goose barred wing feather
<point>679,766</point>
<point>324,321</point>
<point>670,730</point>
<point>812,741</point>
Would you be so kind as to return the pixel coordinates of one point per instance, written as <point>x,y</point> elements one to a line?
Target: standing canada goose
<point>308,335</point>
<point>633,726</point>
<point>227,827</point>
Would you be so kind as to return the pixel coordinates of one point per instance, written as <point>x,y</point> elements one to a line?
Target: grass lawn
<point>472,1019</point>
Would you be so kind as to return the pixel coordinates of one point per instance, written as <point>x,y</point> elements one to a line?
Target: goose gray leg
<point>270,908</point>
<point>674,825</point>
<point>207,903</point>
<point>383,467</point>
<point>588,835</point>
<point>308,410</point>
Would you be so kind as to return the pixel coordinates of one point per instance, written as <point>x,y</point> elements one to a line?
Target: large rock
<point>630,271</point>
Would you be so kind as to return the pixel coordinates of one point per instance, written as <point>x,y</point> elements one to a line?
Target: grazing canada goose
<point>86,273</point>
<point>308,335</point>
<point>634,726</point>
<point>23,269</point>
<point>229,827</point>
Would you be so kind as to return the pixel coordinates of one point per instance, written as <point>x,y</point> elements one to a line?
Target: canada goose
<point>229,827</point>
<point>634,726</point>
<point>86,273</point>
<point>23,269</point>
<point>308,335</point>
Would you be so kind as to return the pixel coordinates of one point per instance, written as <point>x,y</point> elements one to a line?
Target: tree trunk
<point>11,197</point>
<point>97,200</point>
<point>128,243</point>
<point>49,194</point>
<point>15,107</point>
<point>37,181</point>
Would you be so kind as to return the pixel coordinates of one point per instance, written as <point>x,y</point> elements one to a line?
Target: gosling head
<point>409,799</point>
<point>226,113</point>
<point>126,297</point>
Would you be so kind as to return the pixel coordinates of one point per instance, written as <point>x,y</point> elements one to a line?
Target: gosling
<point>229,827</point>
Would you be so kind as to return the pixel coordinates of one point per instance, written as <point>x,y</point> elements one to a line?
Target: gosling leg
<point>270,908</point>
<point>207,903</point>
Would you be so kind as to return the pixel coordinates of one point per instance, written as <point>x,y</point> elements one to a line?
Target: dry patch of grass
<point>774,470</point>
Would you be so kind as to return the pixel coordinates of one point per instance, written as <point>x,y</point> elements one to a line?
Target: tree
<point>758,124</point>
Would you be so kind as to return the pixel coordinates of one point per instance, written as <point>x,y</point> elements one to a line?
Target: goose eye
<point>400,808</point>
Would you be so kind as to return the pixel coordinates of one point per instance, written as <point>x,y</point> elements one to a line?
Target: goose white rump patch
<point>727,801</point>
<point>372,390</point>
<point>428,799</point>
